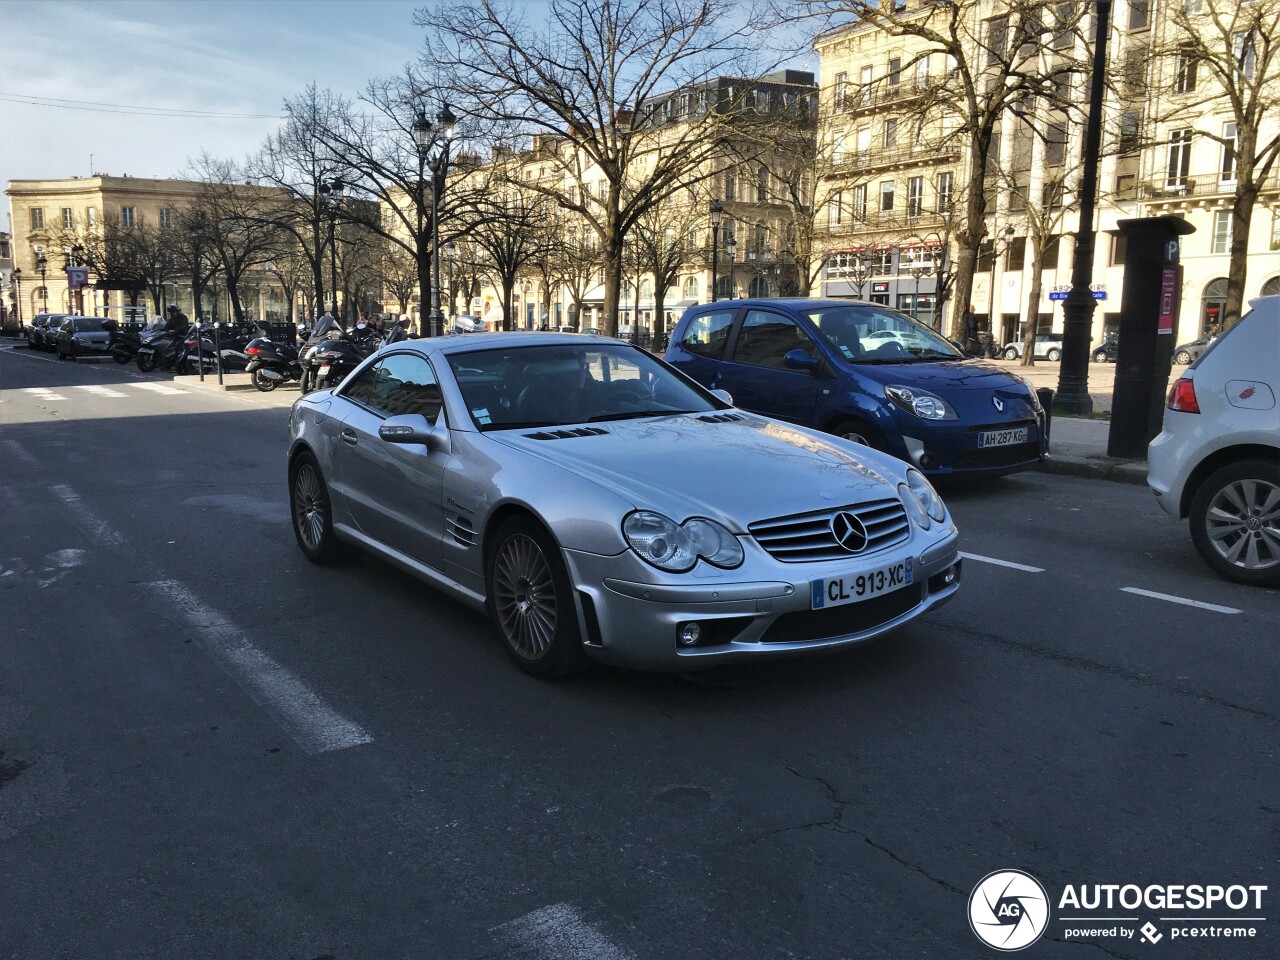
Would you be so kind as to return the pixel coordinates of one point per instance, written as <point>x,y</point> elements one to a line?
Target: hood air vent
<point>721,418</point>
<point>568,434</point>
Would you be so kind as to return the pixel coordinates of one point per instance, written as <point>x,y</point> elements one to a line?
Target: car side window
<point>403,383</point>
<point>766,338</point>
<point>707,333</point>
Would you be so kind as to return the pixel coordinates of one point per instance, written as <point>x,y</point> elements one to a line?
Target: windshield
<point>87,325</point>
<point>865,333</point>
<point>563,384</point>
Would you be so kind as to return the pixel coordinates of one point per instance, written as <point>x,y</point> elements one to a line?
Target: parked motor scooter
<point>228,342</point>
<point>159,347</point>
<point>122,345</point>
<point>331,360</point>
<point>271,363</point>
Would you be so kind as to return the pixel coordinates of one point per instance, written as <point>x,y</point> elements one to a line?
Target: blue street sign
<point>1062,294</point>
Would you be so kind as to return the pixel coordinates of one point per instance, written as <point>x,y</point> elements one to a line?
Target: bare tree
<point>505,227</point>
<point>1222,58</point>
<point>398,272</point>
<point>660,246</point>
<point>592,79</point>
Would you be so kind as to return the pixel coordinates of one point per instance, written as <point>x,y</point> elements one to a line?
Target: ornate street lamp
<point>450,257</point>
<point>331,195</point>
<point>1077,325</point>
<point>17,286</point>
<point>424,138</point>
<point>717,214</point>
<point>42,267</point>
<point>917,271</point>
<point>731,247</point>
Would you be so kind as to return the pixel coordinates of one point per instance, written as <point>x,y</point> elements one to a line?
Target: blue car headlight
<point>920,403</point>
<point>676,547</point>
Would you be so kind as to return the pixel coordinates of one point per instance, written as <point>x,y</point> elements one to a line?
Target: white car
<point>1048,346</point>
<point>1217,460</point>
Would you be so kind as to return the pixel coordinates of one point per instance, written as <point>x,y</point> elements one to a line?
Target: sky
<point>240,57</point>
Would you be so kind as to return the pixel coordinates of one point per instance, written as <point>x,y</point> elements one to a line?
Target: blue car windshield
<point>866,333</point>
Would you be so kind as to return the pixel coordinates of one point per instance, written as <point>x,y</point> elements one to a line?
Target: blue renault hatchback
<point>866,373</point>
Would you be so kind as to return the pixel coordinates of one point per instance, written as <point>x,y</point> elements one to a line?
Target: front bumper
<point>761,610</point>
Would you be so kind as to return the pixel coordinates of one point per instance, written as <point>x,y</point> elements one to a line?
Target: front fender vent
<point>721,418</point>
<point>567,434</point>
<point>463,533</point>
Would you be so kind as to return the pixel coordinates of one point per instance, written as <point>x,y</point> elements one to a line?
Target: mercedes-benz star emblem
<point>998,403</point>
<point>849,532</point>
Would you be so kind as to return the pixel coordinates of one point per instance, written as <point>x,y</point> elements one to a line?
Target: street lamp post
<point>1077,324</point>
<point>450,255</point>
<point>73,257</point>
<point>731,247</point>
<point>439,167</point>
<point>17,286</point>
<point>917,271</point>
<point>717,214</point>
<point>42,267</point>
<point>332,194</point>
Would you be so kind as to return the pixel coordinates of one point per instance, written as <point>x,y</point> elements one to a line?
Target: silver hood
<point>734,472</point>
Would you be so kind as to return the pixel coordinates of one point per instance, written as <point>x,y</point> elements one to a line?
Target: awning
<point>685,304</point>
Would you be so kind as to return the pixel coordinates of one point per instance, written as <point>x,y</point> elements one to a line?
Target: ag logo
<point>1008,910</point>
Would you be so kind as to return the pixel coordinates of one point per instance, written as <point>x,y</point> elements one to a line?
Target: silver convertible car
<point>600,505</point>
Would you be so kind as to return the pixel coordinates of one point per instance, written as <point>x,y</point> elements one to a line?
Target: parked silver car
<point>1048,346</point>
<point>598,504</point>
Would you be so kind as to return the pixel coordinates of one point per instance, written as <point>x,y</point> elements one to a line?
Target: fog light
<point>928,461</point>
<point>688,634</point>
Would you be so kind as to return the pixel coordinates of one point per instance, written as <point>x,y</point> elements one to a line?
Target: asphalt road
<point>390,786</point>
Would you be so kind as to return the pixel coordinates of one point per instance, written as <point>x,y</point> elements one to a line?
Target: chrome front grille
<point>805,537</point>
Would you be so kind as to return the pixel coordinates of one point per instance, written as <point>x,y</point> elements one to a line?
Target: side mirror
<point>406,428</point>
<point>724,395</point>
<point>797,359</point>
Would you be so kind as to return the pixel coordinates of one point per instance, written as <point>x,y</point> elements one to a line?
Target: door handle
<point>349,437</point>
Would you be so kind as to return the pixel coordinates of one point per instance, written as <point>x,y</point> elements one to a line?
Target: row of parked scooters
<point>323,358</point>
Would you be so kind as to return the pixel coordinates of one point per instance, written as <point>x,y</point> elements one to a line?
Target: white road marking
<point>557,932</point>
<point>20,452</point>
<point>43,393</point>
<point>157,388</point>
<point>98,529</point>
<point>314,725</point>
<point>1002,563</point>
<point>98,390</point>
<point>1200,604</point>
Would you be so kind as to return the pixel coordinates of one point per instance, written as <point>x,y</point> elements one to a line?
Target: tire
<point>1182,357</point>
<point>1100,357</point>
<point>1055,354</point>
<point>531,601</point>
<point>146,362</point>
<point>121,358</point>
<point>57,352</point>
<point>305,384</point>
<point>1011,353</point>
<point>312,512</point>
<point>1229,528</point>
<point>265,384</point>
<point>856,431</point>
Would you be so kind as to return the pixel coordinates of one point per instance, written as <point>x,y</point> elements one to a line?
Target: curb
<point>1121,471</point>
<point>230,382</point>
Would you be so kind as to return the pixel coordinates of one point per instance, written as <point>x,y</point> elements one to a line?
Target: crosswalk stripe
<point>44,393</point>
<point>98,390</point>
<point>158,388</point>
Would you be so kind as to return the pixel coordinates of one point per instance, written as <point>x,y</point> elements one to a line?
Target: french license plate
<point>835,591</point>
<point>324,370</point>
<point>1001,438</point>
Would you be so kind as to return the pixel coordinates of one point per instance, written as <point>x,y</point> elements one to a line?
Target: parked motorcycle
<point>122,345</point>
<point>326,362</point>
<point>159,347</point>
<point>271,363</point>
<point>229,342</point>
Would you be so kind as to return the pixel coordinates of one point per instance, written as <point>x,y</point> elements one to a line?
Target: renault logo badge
<point>849,531</point>
<point>998,404</point>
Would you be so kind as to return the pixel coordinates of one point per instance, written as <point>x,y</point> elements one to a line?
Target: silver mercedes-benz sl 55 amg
<point>600,505</point>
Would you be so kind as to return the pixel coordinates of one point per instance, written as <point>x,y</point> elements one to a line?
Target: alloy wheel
<point>524,597</point>
<point>309,505</point>
<point>1243,524</point>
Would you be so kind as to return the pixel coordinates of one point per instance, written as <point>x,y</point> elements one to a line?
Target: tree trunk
<point>233,294</point>
<point>1237,266</point>
<point>424,289</point>
<point>1033,304</point>
<point>962,293</point>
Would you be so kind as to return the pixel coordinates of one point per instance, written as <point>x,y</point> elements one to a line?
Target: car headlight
<point>920,403</point>
<point>922,495</point>
<point>676,547</point>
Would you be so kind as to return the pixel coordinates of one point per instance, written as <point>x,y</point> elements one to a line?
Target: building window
<point>1222,231</point>
<point>863,141</point>
<point>1055,147</point>
<point>881,262</point>
<point>835,209</point>
<point>126,217</point>
<point>890,133</point>
<point>842,89</point>
<point>92,216</point>
<point>1179,159</point>
<point>730,184</point>
<point>1184,73</point>
<point>66,218</point>
<point>1119,247</point>
<point>1065,38</point>
<point>895,74</point>
<point>922,72</point>
<point>166,218</point>
<point>1015,253</point>
<point>997,37</point>
<point>946,187</point>
<point>1130,131</point>
<point>860,203</point>
<point>1244,50</point>
<point>886,196</point>
<point>37,218</point>
<point>1139,14</point>
<point>1053,194</point>
<point>1230,139</point>
<point>837,146</point>
<point>915,196</point>
<point>762,186</point>
<point>866,76</point>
